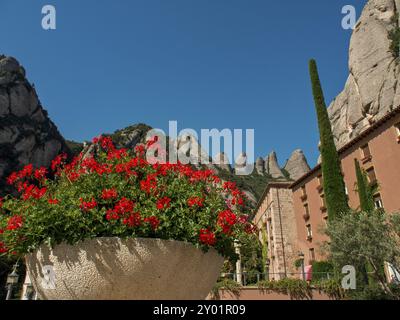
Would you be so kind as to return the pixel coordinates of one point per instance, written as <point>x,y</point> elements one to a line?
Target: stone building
<point>294,214</point>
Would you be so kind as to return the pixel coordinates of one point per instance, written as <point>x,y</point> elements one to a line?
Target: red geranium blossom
<point>207,237</point>
<point>134,220</point>
<point>153,221</point>
<point>3,248</point>
<point>53,201</point>
<point>88,205</point>
<point>163,203</point>
<point>108,194</point>
<point>14,223</point>
<point>226,219</point>
<point>40,174</point>
<point>195,201</point>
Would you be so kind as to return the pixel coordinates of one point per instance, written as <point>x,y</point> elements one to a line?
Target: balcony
<point>303,197</point>
<point>323,209</point>
<point>366,159</point>
<point>309,237</point>
<point>306,216</point>
<point>320,188</point>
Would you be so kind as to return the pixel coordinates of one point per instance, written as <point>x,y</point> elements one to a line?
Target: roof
<point>350,144</point>
<point>273,184</point>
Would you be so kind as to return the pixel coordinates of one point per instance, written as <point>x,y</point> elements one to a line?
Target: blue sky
<point>234,64</point>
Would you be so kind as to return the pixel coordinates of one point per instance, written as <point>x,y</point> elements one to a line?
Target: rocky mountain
<point>27,135</point>
<point>372,88</point>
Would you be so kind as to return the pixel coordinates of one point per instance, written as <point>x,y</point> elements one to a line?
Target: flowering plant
<point>118,193</point>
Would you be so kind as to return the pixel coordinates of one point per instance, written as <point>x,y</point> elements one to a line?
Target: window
<point>326,221</point>
<point>371,175</point>
<point>397,126</point>
<point>309,232</point>
<point>323,203</point>
<point>303,193</point>
<point>320,186</point>
<point>365,152</point>
<point>378,202</point>
<point>312,255</point>
<point>306,215</point>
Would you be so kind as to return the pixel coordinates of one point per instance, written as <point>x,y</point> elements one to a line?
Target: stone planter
<point>131,269</point>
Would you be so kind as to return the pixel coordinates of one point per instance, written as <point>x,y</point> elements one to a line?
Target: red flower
<point>1,231</point>
<point>153,221</point>
<point>13,177</point>
<point>124,206</point>
<point>31,191</point>
<point>195,201</point>
<point>152,141</point>
<point>27,171</point>
<point>207,237</point>
<point>1,202</point>
<point>229,186</point>
<point>88,205</point>
<point>14,223</point>
<point>163,203</point>
<point>226,219</point>
<point>53,201</point>
<point>58,161</point>
<point>40,174</point>
<point>3,248</point>
<point>133,220</point>
<point>149,184</point>
<point>108,194</point>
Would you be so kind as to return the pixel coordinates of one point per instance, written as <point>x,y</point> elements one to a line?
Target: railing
<point>252,278</point>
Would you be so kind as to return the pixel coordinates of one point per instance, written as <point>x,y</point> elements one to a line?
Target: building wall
<point>384,146</point>
<point>276,215</point>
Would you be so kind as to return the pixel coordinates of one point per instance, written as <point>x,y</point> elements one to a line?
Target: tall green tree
<point>334,187</point>
<point>364,190</point>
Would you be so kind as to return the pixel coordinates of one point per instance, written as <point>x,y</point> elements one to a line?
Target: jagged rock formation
<point>372,88</point>
<point>260,163</point>
<point>27,135</point>
<point>221,161</point>
<point>297,165</point>
<point>271,166</point>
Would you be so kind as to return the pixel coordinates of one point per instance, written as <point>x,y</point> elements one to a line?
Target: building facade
<point>378,151</point>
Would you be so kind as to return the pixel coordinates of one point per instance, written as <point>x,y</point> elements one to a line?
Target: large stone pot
<point>131,269</point>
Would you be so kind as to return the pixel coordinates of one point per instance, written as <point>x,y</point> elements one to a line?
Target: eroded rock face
<point>222,161</point>
<point>26,133</point>
<point>260,163</point>
<point>372,88</point>
<point>297,165</point>
<point>272,167</point>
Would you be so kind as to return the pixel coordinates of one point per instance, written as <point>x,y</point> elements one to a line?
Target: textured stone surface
<point>222,161</point>
<point>272,167</point>
<point>297,165</point>
<point>132,269</point>
<point>26,133</point>
<point>372,88</point>
<point>260,163</point>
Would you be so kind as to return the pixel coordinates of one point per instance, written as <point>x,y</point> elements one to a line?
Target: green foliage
<point>298,262</point>
<point>365,192</point>
<point>75,147</point>
<point>254,182</point>
<point>33,219</point>
<point>227,285</point>
<point>394,37</point>
<point>365,239</point>
<point>320,270</point>
<point>331,287</point>
<point>295,288</point>
<point>334,187</point>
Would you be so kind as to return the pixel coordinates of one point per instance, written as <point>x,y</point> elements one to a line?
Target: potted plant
<point>110,225</point>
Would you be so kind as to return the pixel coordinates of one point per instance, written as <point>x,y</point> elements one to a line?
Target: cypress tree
<point>364,190</point>
<point>334,187</point>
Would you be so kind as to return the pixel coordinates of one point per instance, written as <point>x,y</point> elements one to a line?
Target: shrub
<point>297,289</point>
<point>118,193</point>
